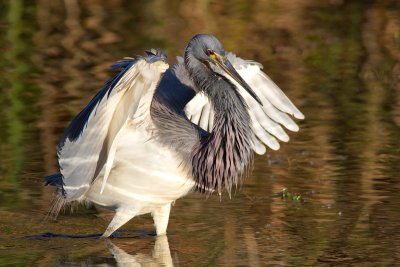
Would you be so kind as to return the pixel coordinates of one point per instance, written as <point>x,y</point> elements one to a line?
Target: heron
<point>154,132</point>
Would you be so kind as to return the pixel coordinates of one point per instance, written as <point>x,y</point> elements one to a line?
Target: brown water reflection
<point>339,62</point>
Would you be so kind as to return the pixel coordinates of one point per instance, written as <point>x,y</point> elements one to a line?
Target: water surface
<point>337,60</point>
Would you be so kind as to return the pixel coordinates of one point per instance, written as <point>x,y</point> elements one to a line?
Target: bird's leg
<point>161,217</point>
<point>122,216</point>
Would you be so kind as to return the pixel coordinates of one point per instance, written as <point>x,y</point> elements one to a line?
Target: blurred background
<point>337,60</point>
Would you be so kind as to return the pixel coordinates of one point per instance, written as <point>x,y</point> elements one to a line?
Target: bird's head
<point>208,50</point>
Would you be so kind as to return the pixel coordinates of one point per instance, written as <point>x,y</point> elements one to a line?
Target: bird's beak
<point>226,66</point>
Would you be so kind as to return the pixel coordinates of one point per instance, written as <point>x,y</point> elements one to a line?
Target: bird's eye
<point>210,52</point>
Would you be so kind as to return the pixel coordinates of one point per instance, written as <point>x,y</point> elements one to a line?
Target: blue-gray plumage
<point>154,133</point>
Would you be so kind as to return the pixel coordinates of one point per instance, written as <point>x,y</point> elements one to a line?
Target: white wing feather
<point>81,159</point>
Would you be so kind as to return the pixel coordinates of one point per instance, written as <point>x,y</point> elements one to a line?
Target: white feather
<point>205,114</point>
<point>195,105</point>
<point>263,135</point>
<point>142,89</point>
<point>259,147</point>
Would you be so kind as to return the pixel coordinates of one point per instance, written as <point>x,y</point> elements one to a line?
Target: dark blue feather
<point>171,90</point>
<point>55,180</point>
<point>155,55</point>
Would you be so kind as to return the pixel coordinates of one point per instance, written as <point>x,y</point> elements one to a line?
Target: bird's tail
<point>59,198</point>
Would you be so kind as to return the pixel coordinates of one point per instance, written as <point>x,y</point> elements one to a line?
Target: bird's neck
<point>220,159</point>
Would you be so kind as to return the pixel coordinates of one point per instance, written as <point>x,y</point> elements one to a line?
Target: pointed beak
<point>227,67</point>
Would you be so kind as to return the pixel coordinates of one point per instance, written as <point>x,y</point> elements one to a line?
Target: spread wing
<point>87,145</point>
<point>268,120</point>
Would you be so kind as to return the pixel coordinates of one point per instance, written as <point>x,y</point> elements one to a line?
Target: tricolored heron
<point>153,133</point>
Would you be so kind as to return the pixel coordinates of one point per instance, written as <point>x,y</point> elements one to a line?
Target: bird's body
<point>154,133</point>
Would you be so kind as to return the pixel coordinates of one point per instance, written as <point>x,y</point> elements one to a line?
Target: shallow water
<point>339,63</point>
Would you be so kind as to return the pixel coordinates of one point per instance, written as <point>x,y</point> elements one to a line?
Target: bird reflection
<point>161,255</point>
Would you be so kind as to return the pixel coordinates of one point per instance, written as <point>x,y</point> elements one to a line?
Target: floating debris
<point>285,194</point>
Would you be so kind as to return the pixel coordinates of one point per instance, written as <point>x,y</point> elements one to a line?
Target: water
<point>337,60</point>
